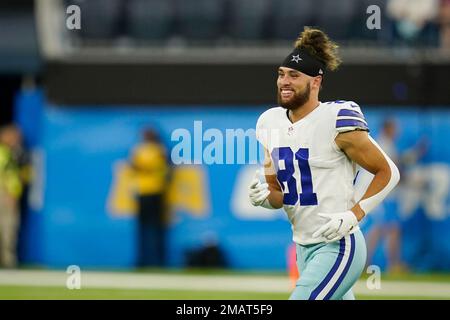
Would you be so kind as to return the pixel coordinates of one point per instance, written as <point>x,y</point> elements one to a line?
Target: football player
<point>312,152</point>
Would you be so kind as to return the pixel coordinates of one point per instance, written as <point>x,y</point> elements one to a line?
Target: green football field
<point>199,284</point>
<point>51,293</point>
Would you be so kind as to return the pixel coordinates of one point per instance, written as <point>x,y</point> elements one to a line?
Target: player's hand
<point>258,192</point>
<point>339,225</point>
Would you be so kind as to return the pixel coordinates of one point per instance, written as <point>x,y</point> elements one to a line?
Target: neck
<point>302,111</point>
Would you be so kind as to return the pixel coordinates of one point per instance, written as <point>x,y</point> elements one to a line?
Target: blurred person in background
<point>444,22</point>
<point>415,20</point>
<point>150,170</point>
<point>10,192</point>
<point>386,218</point>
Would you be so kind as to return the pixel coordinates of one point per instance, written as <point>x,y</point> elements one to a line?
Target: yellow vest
<point>9,173</point>
<point>149,168</point>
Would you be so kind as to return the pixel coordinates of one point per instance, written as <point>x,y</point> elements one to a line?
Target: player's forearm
<point>275,198</point>
<point>276,194</point>
<point>385,179</point>
<point>379,182</point>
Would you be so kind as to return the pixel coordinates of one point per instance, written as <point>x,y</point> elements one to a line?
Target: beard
<point>297,101</point>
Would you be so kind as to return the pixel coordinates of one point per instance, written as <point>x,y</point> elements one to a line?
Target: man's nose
<point>285,81</point>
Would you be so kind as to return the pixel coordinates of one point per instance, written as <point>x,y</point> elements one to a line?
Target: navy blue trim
<point>356,177</point>
<point>350,123</point>
<point>344,272</point>
<point>350,113</point>
<point>331,273</point>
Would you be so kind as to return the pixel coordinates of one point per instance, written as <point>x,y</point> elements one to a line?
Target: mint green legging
<point>329,270</point>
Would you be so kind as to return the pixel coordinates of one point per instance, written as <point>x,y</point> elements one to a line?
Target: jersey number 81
<point>286,175</point>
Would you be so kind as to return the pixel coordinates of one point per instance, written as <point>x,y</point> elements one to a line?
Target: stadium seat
<point>248,18</point>
<point>149,19</point>
<point>336,17</point>
<point>291,16</point>
<point>100,18</point>
<point>200,19</point>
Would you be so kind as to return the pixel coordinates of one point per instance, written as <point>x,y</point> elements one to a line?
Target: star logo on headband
<point>296,58</point>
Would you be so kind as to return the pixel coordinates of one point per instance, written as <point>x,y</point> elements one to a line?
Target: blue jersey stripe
<point>330,274</point>
<point>344,272</point>
<point>350,113</point>
<point>350,123</point>
<point>356,177</point>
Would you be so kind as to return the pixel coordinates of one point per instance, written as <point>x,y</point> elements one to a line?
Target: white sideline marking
<point>164,281</point>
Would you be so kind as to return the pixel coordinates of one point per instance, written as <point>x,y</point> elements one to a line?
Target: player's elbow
<point>395,174</point>
<point>277,205</point>
<point>276,199</point>
<point>389,173</point>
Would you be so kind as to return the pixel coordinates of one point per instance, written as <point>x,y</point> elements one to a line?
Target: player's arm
<point>269,194</point>
<point>363,150</point>
<point>276,194</point>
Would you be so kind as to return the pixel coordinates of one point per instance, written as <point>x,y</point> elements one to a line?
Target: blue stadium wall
<point>77,151</point>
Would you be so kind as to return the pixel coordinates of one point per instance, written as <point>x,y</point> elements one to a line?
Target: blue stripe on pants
<point>344,272</point>
<point>319,265</point>
<point>330,274</point>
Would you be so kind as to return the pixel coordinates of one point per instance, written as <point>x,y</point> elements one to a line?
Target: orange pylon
<point>292,265</point>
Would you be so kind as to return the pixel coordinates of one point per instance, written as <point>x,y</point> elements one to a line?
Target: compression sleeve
<point>370,203</point>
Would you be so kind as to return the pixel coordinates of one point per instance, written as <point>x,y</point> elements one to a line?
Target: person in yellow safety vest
<point>150,170</point>
<point>10,192</point>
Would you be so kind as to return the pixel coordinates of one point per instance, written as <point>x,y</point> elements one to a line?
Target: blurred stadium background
<point>81,99</point>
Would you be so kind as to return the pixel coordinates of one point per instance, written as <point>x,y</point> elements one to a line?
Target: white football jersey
<point>314,174</point>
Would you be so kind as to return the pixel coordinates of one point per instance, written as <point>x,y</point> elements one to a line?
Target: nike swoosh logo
<point>340,224</point>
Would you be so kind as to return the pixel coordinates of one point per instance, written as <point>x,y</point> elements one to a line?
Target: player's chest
<point>315,138</point>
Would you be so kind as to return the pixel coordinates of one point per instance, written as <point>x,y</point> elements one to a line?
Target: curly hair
<point>318,44</point>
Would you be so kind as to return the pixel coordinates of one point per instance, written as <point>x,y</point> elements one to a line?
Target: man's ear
<point>317,82</point>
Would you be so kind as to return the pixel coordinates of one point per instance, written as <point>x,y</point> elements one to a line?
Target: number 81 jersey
<point>314,174</point>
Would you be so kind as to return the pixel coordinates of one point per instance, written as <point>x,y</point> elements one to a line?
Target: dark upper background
<point>218,52</point>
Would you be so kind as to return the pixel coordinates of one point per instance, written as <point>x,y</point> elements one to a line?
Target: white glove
<point>339,225</point>
<point>258,192</point>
